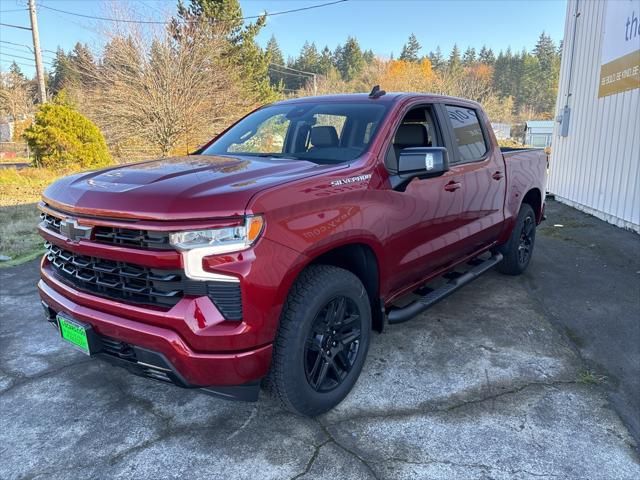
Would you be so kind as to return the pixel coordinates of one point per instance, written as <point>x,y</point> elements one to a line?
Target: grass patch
<point>18,187</point>
<point>20,190</point>
<point>18,236</point>
<point>589,377</point>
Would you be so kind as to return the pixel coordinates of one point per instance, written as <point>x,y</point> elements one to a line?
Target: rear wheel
<point>322,341</point>
<point>519,248</point>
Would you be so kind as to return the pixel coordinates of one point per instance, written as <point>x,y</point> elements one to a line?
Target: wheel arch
<point>361,260</point>
<point>533,198</point>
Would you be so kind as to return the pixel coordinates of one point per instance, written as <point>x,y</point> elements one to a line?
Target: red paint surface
<point>415,235</point>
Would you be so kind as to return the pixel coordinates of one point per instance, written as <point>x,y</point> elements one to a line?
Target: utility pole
<point>42,92</point>
<point>315,85</point>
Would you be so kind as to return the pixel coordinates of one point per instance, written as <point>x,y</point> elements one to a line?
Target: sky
<point>380,25</point>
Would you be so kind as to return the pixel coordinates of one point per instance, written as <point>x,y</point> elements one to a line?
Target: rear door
<point>479,165</point>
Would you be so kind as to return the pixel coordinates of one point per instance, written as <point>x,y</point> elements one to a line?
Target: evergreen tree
<point>545,51</point>
<point>81,65</point>
<point>16,72</point>
<point>368,56</point>
<point>309,58</point>
<point>436,59</point>
<point>61,73</point>
<point>455,62</point>
<point>546,75</point>
<point>275,58</point>
<point>469,57</point>
<point>411,49</point>
<point>325,63</point>
<point>274,52</point>
<point>226,16</point>
<point>486,56</point>
<point>349,59</point>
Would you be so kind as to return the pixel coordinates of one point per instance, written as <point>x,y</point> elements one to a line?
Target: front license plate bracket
<point>78,334</point>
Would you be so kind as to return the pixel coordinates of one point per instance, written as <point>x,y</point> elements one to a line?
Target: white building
<point>595,160</point>
<point>538,133</point>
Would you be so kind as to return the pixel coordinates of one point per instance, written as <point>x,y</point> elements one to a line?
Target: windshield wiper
<point>267,155</point>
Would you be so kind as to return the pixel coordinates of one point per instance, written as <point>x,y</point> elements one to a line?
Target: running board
<point>399,315</point>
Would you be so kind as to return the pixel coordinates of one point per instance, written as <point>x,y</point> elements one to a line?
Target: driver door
<point>425,224</point>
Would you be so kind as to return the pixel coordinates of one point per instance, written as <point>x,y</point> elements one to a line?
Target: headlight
<point>220,240</point>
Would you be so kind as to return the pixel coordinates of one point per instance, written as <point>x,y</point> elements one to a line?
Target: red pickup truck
<point>271,254</point>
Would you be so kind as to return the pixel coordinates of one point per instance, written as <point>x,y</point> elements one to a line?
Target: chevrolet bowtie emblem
<point>69,228</point>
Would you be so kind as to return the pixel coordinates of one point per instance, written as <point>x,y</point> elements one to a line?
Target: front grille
<point>117,280</point>
<point>50,222</point>
<point>128,237</point>
<point>141,285</point>
<point>124,237</point>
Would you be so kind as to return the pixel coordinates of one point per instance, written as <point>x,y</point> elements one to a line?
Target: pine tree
<point>349,59</point>
<point>16,72</point>
<point>469,57</point>
<point>226,16</point>
<point>309,58</point>
<point>454,63</point>
<point>274,54</point>
<point>273,50</point>
<point>61,74</point>
<point>325,63</point>
<point>368,56</point>
<point>411,49</point>
<point>436,59</point>
<point>486,56</point>
<point>545,51</point>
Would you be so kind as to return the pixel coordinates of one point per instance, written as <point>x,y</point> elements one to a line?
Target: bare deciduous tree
<point>170,93</point>
<point>16,99</point>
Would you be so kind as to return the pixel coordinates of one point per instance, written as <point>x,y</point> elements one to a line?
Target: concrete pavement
<point>486,384</point>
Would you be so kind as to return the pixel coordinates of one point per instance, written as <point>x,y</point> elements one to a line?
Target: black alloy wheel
<point>332,345</point>
<point>525,246</point>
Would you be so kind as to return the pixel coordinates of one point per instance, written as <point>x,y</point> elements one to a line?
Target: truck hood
<point>178,188</point>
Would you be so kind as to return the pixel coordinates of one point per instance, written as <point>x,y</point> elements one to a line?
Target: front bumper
<point>192,368</point>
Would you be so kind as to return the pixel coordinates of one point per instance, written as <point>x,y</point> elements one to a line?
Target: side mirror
<point>423,161</point>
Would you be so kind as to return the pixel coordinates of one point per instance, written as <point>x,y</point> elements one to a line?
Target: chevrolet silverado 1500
<point>269,255</point>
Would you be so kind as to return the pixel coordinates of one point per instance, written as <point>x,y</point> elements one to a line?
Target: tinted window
<point>468,133</point>
<point>324,132</point>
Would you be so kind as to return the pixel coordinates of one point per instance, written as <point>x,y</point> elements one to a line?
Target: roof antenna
<point>376,92</point>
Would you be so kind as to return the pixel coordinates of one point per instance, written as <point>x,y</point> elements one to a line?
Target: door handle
<point>497,175</point>
<point>452,186</point>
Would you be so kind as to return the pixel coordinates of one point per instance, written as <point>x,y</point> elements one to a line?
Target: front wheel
<point>519,248</point>
<point>322,341</point>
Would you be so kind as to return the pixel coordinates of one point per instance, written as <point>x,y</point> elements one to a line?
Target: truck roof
<point>389,97</point>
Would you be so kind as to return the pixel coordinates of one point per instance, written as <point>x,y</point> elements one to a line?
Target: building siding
<point>596,168</point>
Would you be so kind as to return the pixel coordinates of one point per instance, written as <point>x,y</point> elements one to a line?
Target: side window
<point>417,129</point>
<point>469,137</point>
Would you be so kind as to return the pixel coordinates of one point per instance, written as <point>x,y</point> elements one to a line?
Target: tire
<point>305,348</point>
<point>519,248</point>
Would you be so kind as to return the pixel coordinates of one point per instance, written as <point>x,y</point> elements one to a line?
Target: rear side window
<point>468,133</point>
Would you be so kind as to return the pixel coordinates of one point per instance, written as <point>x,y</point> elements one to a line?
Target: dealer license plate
<point>74,332</point>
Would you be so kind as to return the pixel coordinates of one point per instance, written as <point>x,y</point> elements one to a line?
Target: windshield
<point>325,132</point>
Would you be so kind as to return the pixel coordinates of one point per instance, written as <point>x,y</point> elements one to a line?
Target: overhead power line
<point>14,10</point>
<point>157,22</point>
<point>32,65</point>
<point>4,54</point>
<point>17,44</point>
<point>15,26</point>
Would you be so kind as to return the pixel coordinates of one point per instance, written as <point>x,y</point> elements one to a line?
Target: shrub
<point>62,138</point>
